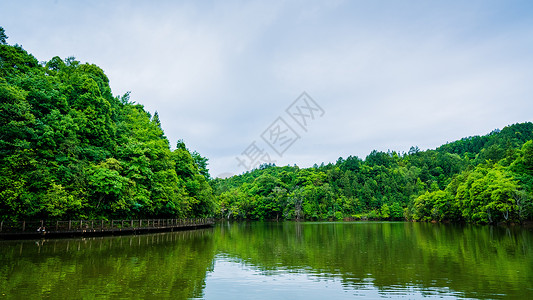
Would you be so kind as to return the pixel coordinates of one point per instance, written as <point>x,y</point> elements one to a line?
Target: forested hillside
<point>481,179</point>
<point>70,149</point>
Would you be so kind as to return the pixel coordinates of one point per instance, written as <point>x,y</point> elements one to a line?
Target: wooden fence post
<point>23,225</point>
<point>69,224</point>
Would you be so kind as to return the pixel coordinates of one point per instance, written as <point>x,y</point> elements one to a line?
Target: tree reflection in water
<point>263,260</point>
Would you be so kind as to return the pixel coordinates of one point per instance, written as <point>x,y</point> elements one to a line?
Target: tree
<point>201,163</point>
<point>3,36</point>
<point>396,211</point>
<point>488,195</point>
<point>108,186</point>
<point>385,211</point>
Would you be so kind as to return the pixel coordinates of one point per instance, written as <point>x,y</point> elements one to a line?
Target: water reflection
<point>433,259</point>
<point>231,278</point>
<point>288,260</point>
<point>167,265</point>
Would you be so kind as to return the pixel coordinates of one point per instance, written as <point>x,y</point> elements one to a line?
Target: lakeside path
<point>73,228</point>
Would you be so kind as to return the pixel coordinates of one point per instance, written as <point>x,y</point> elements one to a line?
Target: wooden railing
<point>99,225</point>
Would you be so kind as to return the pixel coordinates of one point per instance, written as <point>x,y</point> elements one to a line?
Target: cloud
<point>389,74</point>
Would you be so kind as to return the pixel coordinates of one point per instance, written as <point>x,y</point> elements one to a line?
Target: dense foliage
<point>481,179</point>
<point>70,149</point>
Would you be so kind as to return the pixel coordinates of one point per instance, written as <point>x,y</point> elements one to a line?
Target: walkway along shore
<point>73,228</point>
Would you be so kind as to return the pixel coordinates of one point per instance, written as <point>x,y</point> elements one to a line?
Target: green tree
<point>3,36</point>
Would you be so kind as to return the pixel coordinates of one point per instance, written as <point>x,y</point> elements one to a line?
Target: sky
<point>299,82</point>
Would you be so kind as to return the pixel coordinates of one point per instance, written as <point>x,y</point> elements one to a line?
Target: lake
<point>286,260</point>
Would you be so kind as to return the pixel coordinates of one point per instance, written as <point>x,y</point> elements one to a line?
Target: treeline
<point>481,179</point>
<point>70,149</point>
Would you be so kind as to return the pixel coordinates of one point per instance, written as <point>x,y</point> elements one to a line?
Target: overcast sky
<point>223,75</point>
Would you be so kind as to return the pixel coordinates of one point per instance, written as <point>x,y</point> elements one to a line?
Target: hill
<point>481,179</point>
<point>70,149</point>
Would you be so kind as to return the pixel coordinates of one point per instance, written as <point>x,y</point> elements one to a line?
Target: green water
<point>278,260</point>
